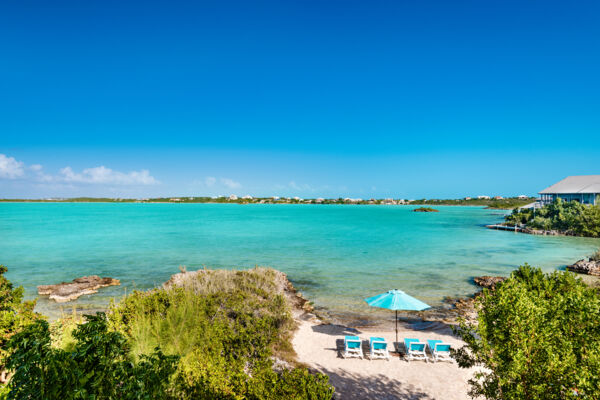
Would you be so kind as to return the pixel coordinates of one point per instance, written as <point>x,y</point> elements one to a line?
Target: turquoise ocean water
<point>336,255</point>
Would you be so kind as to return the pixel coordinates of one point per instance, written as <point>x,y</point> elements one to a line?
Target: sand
<point>320,346</point>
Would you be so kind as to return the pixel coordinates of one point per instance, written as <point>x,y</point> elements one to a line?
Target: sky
<point>404,99</point>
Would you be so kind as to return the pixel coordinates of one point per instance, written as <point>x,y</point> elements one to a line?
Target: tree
<point>537,336</point>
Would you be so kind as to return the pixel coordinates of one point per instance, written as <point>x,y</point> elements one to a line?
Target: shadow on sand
<point>352,386</point>
<point>335,330</point>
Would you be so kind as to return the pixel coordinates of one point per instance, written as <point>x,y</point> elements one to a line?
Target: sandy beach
<point>320,347</point>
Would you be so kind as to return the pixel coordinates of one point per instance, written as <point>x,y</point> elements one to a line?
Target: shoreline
<point>484,206</point>
<point>318,344</point>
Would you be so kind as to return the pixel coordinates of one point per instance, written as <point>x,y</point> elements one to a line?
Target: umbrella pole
<point>397,344</point>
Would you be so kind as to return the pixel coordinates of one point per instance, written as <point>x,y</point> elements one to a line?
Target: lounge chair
<point>439,350</point>
<point>378,348</point>
<point>415,349</point>
<point>352,347</point>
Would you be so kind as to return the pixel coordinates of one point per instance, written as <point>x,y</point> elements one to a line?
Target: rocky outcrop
<point>68,291</point>
<point>588,267</point>
<point>425,209</point>
<point>488,282</point>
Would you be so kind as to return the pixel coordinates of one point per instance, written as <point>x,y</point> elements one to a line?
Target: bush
<point>99,366</point>
<point>568,217</point>
<point>15,315</point>
<point>214,338</point>
<point>537,337</point>
<point>227,327</point>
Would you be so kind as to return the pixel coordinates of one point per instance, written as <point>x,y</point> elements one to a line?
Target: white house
<point>233,197</point>
<point>582,188</point>
<point>483,197</point>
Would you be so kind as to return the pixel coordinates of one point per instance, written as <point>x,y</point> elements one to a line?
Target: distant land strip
<point>497,202</point>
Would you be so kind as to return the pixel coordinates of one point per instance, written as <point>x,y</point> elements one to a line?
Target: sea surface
<point>336,255</point>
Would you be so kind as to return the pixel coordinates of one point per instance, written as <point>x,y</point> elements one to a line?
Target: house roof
<point>575,184</point>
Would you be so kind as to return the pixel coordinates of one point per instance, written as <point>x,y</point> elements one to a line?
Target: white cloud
<point>107,176</point>
<point>230,183</point>
<point>210,181</point>
<point>10,168</point>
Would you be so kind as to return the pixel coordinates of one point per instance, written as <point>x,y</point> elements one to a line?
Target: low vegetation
<point>97,366</point>
<point>210,335</point>
<point>15,315</point>
<point>571,218</point>
<point>537,336</point>
<point>503,204</point>
<point>425,209</point>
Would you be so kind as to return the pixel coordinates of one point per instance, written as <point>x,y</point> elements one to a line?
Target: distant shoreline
<point>499,204</point>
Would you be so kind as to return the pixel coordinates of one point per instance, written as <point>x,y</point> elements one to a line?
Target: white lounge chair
<point>415,350</point>
<point>378,348</point>
<point>440,351</point>
<point>352,347</point>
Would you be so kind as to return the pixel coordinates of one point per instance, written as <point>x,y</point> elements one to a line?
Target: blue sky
<point>308,98</point>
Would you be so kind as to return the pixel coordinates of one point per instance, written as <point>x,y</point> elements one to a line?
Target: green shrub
<point>227,326</point>
<point>568,217</point>
<point>537,336</point>
<point>99,367</point>
<point>15,315</point>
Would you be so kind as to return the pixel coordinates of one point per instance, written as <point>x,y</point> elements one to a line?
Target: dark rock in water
<point>67,291</point>
<point>488,282</point>
<point>589,267</point>
<point>425,209</point>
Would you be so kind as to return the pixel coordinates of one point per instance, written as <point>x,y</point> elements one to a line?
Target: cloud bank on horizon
<point>12,169</point>
<point>67,181</point>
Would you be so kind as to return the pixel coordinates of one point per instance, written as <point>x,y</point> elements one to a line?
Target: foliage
<point>227,326</point>
<point>15,314</point>
<point>425,209</point>
<point>571,218</point>
<point>595,256</point>
<point>504,203</point>
<point>537,336</point>
<point>98,367</point>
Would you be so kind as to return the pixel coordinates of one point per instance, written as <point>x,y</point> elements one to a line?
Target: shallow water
<point>335,254</point>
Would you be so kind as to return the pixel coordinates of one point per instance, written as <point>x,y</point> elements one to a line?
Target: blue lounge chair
<point>439,350</point>
<point>352,347</point>
<point>415,349</point>
<point>378,348</point>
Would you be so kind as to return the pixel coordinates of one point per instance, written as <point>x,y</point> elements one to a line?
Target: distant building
<point>498,198</point>
<point>467,198</point>
<point>522,197</point>
<point>319,200</point>
<point>247,197</point>
<point>583,188</point>
<point>483,197</point>
<point>233,197</point>
<point>174,199</point>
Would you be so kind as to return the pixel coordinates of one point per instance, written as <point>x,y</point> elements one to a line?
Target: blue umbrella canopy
<point>396,300</point>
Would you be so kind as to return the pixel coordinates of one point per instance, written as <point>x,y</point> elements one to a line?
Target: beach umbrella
<point>396,300</point>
